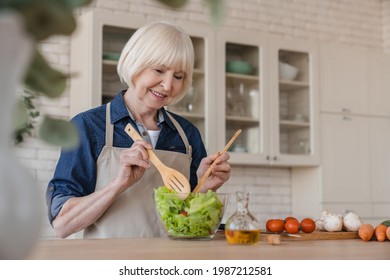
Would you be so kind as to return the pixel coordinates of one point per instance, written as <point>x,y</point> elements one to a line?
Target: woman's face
<point>158,86</point>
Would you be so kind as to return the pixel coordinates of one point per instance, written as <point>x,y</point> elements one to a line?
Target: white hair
<point>157,43</point>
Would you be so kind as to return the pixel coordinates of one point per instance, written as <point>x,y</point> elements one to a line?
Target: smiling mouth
<point>159,95</point>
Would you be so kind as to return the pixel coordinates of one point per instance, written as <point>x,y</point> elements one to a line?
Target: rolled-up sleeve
<point>75,173</point>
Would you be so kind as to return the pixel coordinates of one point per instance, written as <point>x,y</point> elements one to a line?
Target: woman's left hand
<point>219,174</point>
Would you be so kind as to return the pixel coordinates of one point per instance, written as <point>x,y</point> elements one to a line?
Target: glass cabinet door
<point>242,98</point>
<point>192,106</point>
<point>113,40</point>
<point>294,103</point>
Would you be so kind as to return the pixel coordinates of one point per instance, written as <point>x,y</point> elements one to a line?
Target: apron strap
<point>182,134</point>
<point>109,127</point>
<point>110,130</point>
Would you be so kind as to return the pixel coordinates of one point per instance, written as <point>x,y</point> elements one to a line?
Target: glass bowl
<point>197,217</point>
<point>239,66</point>
<point>287,72</point>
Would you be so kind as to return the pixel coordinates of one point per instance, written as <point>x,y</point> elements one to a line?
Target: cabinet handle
<point>268,157</point>
<point>345,110</point>
<point>345,118</point>
<point>275,158</point>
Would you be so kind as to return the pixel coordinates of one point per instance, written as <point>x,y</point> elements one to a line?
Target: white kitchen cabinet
<point>344,80</point>
<point>380,158</point>
<point>355,132</point>
<point>278,117</point>
<point>354,81</point>
<point>345,159</point>
<point>379,84</point>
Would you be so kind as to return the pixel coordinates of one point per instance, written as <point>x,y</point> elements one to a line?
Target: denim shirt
<point>76,170</point>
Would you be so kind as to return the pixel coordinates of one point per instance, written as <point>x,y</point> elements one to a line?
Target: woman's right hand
<point>133,162</point>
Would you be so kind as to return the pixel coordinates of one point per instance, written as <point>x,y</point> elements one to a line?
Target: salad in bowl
<point>196,217</point>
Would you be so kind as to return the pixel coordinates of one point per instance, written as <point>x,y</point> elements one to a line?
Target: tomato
<point>308,225</point>
<point>184,213</point>
<point>292,226</point>
<point>267,224</point>
<point>290,218</point>
<point>276,225</point>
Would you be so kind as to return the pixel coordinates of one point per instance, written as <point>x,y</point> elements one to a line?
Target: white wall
<point>359,23</point>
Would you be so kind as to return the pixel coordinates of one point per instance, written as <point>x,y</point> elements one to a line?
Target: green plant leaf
<point>176,4</point>
<point>24,115</point>
<point>76,3</point>
<point>217,10</point>
<point>13,3</point>
<point>44,79</point>
<point>21,115</point>
<point>59,132</point>
<point>46,18</point>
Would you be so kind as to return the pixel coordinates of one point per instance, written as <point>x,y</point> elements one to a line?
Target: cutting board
<point>316,235</point>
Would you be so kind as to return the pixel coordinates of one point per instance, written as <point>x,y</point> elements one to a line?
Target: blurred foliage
<point>174,3</point>
<point>216,7</point>
<point>26,114</point>
<point>42,19</point>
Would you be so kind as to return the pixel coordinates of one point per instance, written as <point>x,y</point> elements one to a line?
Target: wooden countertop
<point>217,249</point>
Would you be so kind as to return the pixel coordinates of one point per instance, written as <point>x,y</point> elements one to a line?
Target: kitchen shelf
<point>292,85</point>
<point>288,124</point>
<point>242,77</point>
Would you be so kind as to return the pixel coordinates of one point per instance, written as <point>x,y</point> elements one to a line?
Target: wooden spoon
<point>172,178</point>
<point>206,175</point>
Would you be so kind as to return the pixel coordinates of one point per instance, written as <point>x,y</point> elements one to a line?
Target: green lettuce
<point>198,215</point>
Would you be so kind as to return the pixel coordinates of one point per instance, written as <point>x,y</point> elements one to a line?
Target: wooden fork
<point>172,178</point>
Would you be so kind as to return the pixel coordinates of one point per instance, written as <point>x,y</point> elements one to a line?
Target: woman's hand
<point>78,213</point>
<point>219,174</point>
<point>133,162</point>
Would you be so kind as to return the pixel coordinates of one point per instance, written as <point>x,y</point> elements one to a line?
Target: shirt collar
<point>119,111</point>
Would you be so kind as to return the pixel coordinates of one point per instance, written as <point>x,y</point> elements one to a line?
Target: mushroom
<point>329,222</point>
<point>351,221</point>
<point>320,221</point>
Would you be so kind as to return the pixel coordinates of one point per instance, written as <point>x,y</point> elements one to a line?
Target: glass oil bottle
<point>242,227</point>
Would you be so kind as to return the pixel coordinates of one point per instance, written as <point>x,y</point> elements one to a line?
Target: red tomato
<point>267,224</point>
<point>290,218</point>
<point>276,225</point>
<point>184,213</point>
<point>292,226</point>
<point>308,225</point>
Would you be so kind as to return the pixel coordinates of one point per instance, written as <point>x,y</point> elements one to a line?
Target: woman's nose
<point>166,83</point>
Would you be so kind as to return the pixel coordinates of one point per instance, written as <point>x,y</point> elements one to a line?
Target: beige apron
<point>133,213</point>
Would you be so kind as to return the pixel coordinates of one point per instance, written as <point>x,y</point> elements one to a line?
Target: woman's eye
<point>178,77</point>
<point>159,70</point>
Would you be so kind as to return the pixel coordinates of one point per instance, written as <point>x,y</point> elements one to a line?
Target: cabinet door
<point>197,104</point>
<point>380,159</point>
<point>345,159</point>
<point>344,80</point>
<point>294,103</point>
<point>242,101</point>
<point>379,82</point>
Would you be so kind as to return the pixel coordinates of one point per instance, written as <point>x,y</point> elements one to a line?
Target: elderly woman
<point>105,185</point>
